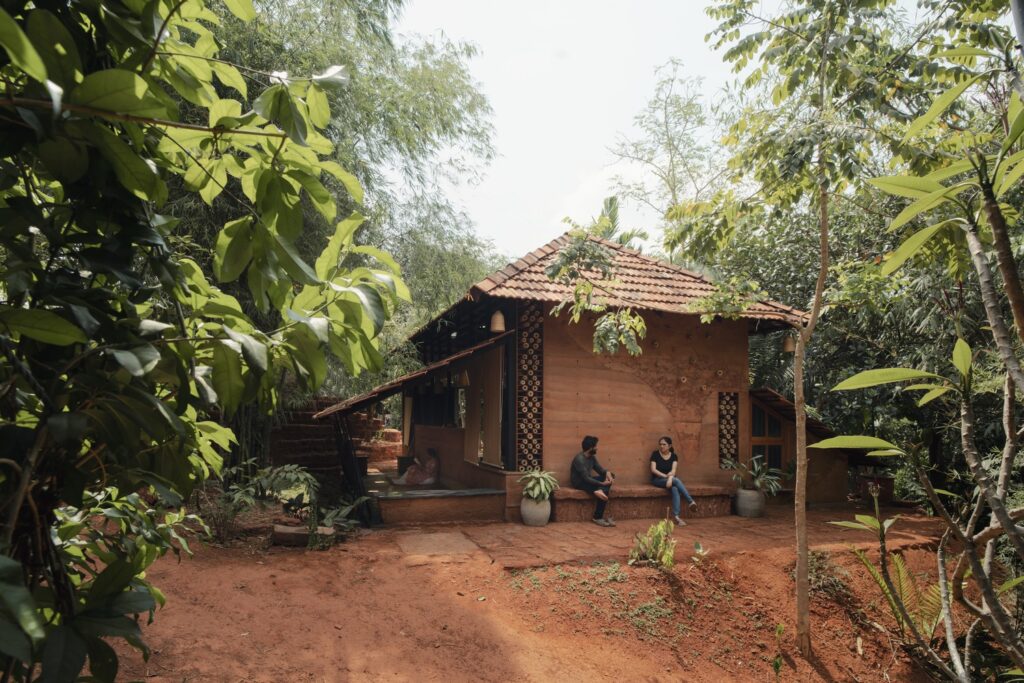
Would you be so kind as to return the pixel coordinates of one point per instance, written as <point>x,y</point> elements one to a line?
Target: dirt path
<point>437,604</point>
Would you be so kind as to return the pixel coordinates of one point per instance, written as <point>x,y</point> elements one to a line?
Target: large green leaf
<point>13,640</point>
<point>137,361</point>
<point>113,580</point>
<point>950,171</point>
<point>350,182</point>
<point>227,376</point>
<point>319,109</point>
<point>102,660</point>
<point>56,48</point>
<point>308,355</point>
<point>926,203</point>
<point>372,303</point>
<point>254,352</point>
<point>906,186</point>
<point>1016,128</point>
<point>873,378</point>
<point>63,656</point>
<point>18,601</point>
<point>932,395</point>
<point>1007,182</point>
<point>294,265</point>
<point>230,77</point>
<point>964,51</point>
<point>276,104</point>
<point>20,49</point>
<point>243,9</point>
<point>854,442</point>
<point>911,246</point>
<point>136,174</point>
<point>233,250</point>
<point>939,105</point>
<point>868,521</point>
<point>41,325</point>
<point>962,357</point>
<point>327,262</point>
<point>120,91</point>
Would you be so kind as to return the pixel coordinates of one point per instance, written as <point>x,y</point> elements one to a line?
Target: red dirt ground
<point>431,604</point>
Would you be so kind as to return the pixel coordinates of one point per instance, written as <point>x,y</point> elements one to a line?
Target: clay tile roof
<point>640,281</point>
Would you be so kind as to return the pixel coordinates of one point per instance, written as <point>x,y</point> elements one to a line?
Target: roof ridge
<point>499,276</point>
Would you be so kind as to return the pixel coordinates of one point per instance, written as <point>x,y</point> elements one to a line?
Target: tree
<point>409,113</point>
<point>117,350</point>
<point>675,162</point>
<point>797,152</point>
<point>967,195</point>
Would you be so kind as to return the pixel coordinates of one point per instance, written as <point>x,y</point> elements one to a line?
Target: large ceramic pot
<point>749,503</point>
<point>535,512</point>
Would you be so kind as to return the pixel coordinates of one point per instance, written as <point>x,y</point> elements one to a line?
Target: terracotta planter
<point>535,512</point>
<point>749,503</point>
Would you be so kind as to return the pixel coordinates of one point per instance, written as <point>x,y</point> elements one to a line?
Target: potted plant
<point>757,481</point>
<point>536,504</point>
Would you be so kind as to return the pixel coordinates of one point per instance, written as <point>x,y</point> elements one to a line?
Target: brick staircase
<point>311,443</point>
<point>303,441</point>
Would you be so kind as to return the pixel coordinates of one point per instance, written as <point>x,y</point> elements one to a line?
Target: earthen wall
<point>629,402</point>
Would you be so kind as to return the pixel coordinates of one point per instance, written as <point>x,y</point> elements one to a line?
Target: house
<point>507,387</point>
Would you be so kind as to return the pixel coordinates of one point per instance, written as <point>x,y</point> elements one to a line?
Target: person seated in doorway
<point>588,475</point>
<point>423,472</point>
<point>664,462</point>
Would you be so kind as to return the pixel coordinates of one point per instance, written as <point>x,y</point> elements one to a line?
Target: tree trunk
<point>803,599</point>
<point>990,298</point>
<point>1017,10</point>
<point>1004,257</point>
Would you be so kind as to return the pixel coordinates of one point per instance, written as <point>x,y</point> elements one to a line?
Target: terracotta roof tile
<point>639,281</point>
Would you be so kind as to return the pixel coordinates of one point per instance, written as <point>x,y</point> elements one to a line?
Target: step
<point>321,457</point>
<point>303,445</point>
<point>442,507</point>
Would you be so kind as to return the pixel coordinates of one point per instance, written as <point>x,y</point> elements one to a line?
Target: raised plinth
<point>640,502</point>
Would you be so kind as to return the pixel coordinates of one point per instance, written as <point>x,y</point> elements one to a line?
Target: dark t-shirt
<point>664,466</point>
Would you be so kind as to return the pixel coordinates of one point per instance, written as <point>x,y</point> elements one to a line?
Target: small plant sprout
<point>777,660</point>
<point>699,553</point>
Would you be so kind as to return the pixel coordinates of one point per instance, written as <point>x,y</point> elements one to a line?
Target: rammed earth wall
<point>629,402</point>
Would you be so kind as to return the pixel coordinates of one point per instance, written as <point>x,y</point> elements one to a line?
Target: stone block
<point>298,535</point>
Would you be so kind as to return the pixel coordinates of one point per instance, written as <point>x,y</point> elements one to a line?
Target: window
<point>766,436</point>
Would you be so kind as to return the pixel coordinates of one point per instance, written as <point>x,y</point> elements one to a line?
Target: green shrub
<point>655,548</point>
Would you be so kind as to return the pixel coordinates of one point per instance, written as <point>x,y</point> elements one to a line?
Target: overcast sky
<point>565,78</point>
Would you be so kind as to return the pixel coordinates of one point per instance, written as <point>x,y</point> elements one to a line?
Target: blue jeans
<point>677,489</point>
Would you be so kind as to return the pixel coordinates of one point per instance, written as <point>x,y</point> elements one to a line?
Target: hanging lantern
<point>789,344</point>
<point>463,380</point>
<point>497,322</point>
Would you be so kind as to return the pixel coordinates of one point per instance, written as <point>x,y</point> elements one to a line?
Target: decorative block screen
<point>728,426</point>
<point>529,386</point>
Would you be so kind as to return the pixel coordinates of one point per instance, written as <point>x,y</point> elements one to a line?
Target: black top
<point>582,466</point>
<point>664,466</point>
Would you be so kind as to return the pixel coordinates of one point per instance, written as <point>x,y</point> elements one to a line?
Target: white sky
<point>565,78</point>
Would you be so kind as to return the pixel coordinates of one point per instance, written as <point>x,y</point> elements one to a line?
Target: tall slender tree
<point>817,62</point>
